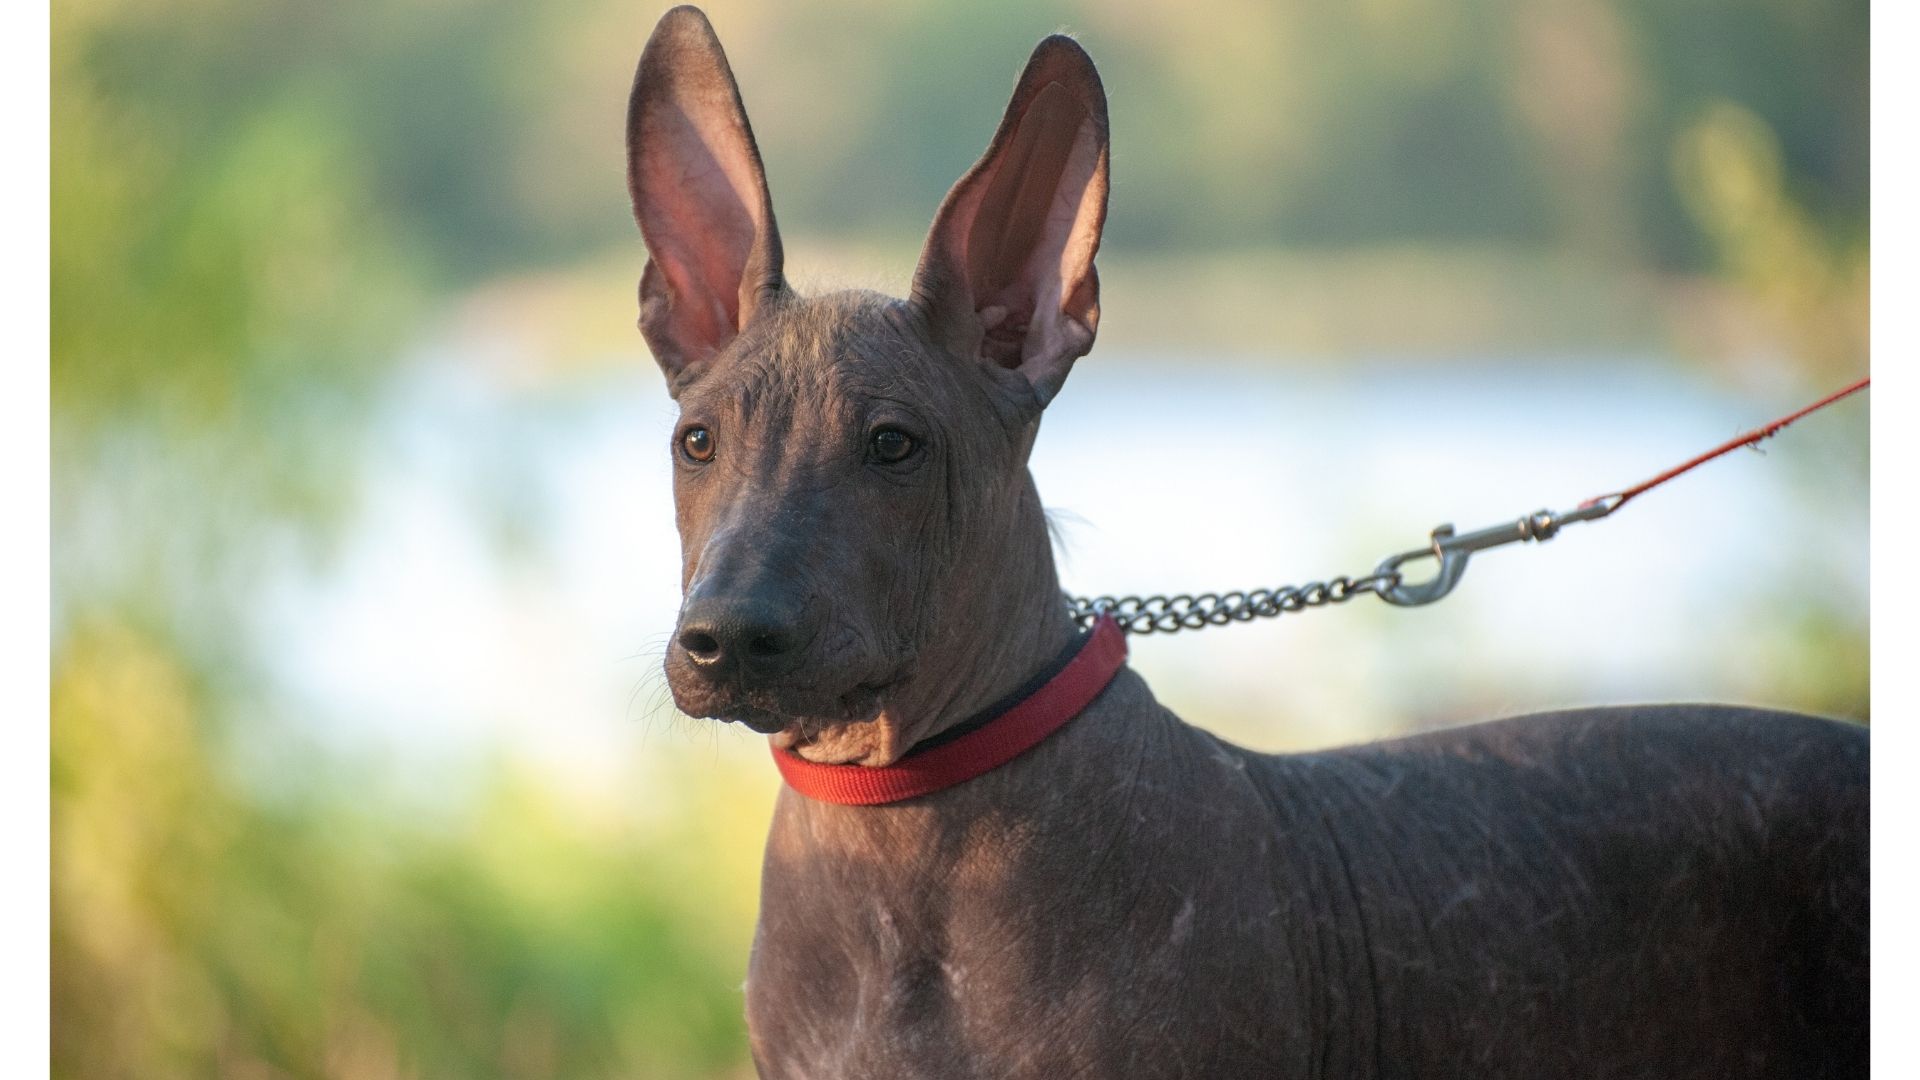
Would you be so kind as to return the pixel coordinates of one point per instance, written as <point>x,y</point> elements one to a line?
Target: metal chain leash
<point>1448,550</point>
<point>1171,614</point>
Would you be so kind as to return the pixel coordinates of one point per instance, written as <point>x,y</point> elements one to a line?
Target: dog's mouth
<point>766,723</point>
<point>800,716</point>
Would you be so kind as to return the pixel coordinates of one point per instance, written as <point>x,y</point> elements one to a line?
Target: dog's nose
<point>752,640</point>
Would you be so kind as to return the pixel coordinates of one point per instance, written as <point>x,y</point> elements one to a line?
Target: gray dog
<point>999,856</point>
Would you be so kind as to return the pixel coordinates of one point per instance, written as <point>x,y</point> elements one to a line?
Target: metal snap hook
<point>1451,561</point>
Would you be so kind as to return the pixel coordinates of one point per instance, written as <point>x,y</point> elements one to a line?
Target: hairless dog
<point>998,856</point>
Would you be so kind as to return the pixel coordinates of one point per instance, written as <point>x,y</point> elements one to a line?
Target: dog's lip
<point>759,720</point>
<point>860,703</point>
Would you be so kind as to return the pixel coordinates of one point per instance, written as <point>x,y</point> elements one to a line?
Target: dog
<point>996,855</point>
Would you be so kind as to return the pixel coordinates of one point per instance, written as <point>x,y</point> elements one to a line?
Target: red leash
<point>1450,550</point>
<point>1765,431</point>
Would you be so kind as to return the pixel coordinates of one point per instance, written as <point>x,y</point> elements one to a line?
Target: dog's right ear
<point>700,196</point>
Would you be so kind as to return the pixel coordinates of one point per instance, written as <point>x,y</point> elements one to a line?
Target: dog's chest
<point>965,1011</point>
<point>941,982</point>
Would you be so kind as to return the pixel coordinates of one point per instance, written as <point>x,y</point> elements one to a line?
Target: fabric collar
<point>979,747</point>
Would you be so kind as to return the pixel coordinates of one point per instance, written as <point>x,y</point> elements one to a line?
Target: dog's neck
<point>1002,623</point>
<point>997,638</point>
<point>1052,796</point>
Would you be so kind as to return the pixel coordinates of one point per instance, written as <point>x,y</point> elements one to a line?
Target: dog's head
<point>850,469</point>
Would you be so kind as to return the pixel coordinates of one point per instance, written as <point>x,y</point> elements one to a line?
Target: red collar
<point>925,770</point>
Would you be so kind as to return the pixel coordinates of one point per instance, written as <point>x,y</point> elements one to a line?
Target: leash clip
<point>1450,552</point>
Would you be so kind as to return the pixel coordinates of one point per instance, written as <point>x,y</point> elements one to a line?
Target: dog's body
<point>1664,891</point>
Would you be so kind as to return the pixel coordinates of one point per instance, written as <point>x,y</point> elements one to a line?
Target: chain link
<point>1172,614</point>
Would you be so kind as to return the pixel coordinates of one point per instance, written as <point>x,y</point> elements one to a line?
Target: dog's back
<point>1526,892</point>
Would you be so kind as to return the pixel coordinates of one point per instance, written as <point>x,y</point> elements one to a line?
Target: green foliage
<point>203,931</point>
<point>1811,282</point>
<point>213,243</point>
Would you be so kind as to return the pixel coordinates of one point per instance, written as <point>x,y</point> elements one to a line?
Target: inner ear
<point>1007,275</point>
<point>699,195</point>
<point>1017,255</point>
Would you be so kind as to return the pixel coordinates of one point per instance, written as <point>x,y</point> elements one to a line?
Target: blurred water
<point>512,577</point>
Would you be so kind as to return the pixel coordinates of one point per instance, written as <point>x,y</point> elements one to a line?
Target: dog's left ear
<point>1007,274</point>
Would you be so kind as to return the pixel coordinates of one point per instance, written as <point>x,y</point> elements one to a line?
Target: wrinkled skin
<point>1658,891</point>
<point>1673,891</point>
<point>870,556</point>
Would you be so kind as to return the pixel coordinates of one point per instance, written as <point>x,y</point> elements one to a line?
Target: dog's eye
<point>891,445</point>
<point>697,444</point>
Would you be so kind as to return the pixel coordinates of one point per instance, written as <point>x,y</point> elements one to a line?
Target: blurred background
<point>363,558</point>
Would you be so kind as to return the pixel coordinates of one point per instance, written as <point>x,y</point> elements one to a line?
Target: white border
<point>25,600</point>
<point>1893,450</point>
